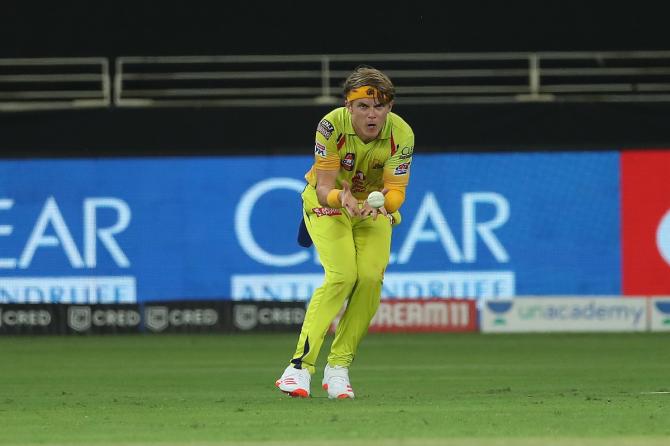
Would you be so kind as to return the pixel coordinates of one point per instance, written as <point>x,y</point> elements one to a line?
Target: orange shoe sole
<point>339,397</point>
<point>298,393</point>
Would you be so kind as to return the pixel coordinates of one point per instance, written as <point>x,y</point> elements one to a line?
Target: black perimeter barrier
<point>290,130</point>
<point>210,316</point>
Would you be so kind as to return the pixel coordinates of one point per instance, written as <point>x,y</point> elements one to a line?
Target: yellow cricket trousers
<point>354,253</point>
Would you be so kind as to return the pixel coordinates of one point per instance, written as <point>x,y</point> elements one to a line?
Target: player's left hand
<point>368,210</point>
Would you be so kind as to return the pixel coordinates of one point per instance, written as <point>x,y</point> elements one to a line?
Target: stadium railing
<point>309,80</point>
<point>421,78</point>
<point>54,83</point>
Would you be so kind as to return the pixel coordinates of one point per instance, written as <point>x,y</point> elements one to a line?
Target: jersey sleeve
<point>396,171</point>
<point>326,156</point>
<point>397,167</point>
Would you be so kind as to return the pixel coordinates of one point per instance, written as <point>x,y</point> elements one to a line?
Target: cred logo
<point>663,237</point>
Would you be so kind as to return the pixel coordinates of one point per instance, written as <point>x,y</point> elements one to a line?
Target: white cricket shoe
<point>336,382</point>
<point>295,382</point>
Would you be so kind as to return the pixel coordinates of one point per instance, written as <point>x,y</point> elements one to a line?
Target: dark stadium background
<point>110,29</point>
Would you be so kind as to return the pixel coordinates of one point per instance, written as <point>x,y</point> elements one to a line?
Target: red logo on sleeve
<point>645,222</point>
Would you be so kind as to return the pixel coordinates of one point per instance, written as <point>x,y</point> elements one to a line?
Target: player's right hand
<point>349,202</point>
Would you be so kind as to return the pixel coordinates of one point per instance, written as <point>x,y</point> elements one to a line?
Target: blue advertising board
<point>148,229</point>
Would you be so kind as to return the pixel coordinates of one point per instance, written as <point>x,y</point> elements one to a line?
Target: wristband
<point>393,200</point>
<point>333,198</point>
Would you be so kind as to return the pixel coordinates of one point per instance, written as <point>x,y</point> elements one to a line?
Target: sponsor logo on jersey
<point>358,182</point>
<point>401,169</point>
<point>348,161</point>
<point>320,149</point>
<point>325,128</point>
<point>406,152</point>
<point>377,164</point>
<point>326,212</point>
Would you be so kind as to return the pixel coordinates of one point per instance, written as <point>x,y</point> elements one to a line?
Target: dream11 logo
<point>50,230</point>
<point>427,225</point>
<point>645,202</point>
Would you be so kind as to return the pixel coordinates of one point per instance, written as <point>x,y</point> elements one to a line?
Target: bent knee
<point>369,278</point>
<point>344,280</point>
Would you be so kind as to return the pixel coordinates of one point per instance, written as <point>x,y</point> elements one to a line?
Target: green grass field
<point>422,389</point>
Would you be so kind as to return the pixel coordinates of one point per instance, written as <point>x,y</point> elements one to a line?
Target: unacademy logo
<point>664,307</point>
<point>499,307</point>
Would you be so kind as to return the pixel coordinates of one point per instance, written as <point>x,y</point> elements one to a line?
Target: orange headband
<point>363,92</point>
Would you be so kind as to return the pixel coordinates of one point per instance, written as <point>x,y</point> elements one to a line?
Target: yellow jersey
<point>383,162</point>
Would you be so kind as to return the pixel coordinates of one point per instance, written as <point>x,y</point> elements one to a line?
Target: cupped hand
<point>349,202</point>
<point>369,210</point>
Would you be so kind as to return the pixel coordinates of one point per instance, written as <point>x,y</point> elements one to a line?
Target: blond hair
<point>365,75</point>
